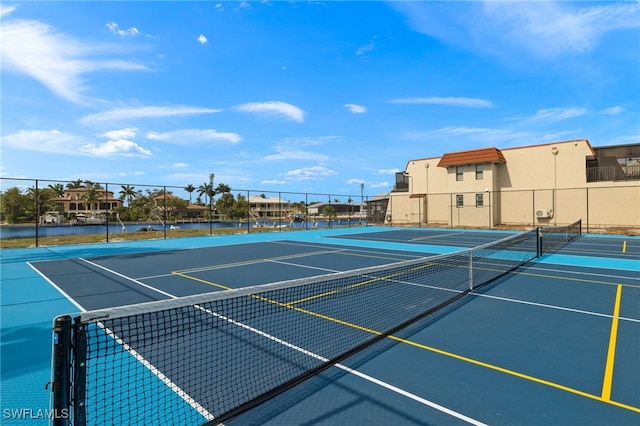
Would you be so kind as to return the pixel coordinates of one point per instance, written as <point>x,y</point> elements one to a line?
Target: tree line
<point>25,206</point>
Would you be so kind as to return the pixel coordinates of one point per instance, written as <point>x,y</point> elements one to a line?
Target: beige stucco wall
<point>548,176</point>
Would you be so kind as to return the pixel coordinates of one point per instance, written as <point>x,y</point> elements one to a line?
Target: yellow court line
<point>432,349</point>
<point>248,262</point>
<point>611,354</point>
<point>458,357</point>
<point>359,284</point>
<point>515,374</point>
<point>624,246</point>
<point>224,287</point>
<point>558,277</point>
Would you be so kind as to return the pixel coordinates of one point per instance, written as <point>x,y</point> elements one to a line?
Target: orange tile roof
<point>475,156</point>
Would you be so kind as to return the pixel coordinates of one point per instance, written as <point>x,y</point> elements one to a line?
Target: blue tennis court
<point>553,341</point>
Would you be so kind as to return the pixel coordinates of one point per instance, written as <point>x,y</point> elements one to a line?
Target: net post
<point>79,376</point>
<point>61,374</point>
<point>538,242</point>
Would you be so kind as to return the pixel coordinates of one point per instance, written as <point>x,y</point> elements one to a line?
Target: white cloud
<point>379,185</point>
<point>288,155</point>
<point>369,47</point>
<point>115,29</point>
<point>130,113</point>
<point>355,108</point>
<point>62,143</point>
<point>273,182</point>
<point>180,165</point>
<point>614,110</point>
<point>56,60</point>
<point>188,136</point>
<point>354,181</point>
<point>465,130</point>
<point>290,112</point>
<point>310,173</point>
<point>556,114</point>
<point>201,39</point>
<point>449,101</point>
<point>128,133</point>
<point>540,29</point>
<point>131,174</point>
<point>119,148</point>
<point>51,141</point>
<point>388,171</point>
<point>7,10</point>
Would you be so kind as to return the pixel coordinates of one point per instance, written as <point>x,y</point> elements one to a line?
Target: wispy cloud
<point>369,47</point>
<point>388,171</point>
<point>310,173</point>
<point>557,114</point>
<point>539,29</point>
<point>355,108</point>
<point>448,101</point>
<point>614,110</point>
<point>129,113</point>
<point>6,10</point>
<point>115,29</point>
<point>291,149</point>
<point>289,155</point>
<point>379,185</point>
<point>273,182</point>
<point>64,143</point>
<point>201,39</point>
<point>354,181</point>
<point>288,111</point>
<point>189,136</point>
<point>128,133</point>
<point>56,60</point>
<point>117,148</point>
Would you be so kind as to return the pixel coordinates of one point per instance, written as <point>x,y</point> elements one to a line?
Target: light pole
<point>361,198</point>
<point>554,151</point>
<point>426,195</point>
<point>211,177</point>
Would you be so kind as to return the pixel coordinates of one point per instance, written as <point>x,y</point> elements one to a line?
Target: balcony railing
<point>613,173</point>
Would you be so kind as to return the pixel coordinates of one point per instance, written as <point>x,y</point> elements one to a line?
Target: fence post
<point>37,206</point>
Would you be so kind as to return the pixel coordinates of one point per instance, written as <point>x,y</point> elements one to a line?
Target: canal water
<point>26,231</point>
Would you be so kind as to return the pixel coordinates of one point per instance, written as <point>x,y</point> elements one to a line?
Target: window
<point>478,171</point>
<point>458,173</point>
<point>459,201</point>
<point>479,200</point>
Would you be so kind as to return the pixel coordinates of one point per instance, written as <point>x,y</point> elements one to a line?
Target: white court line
<point>54,285</point>
<point>289,345</point>
<point>153,369</point>
<point>435,236</point>
<point>558,308</point>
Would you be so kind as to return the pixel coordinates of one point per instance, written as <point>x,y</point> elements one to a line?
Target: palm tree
<point>206,189</point>
<point>329,211</point>
<point>91,197</point>
<point>58,189</point>
<point>75,184</point>
<point>190,188</point>
<point>127,193</point>
<point>222,189</point>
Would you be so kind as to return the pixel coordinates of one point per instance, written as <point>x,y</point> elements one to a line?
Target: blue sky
<point>305,96</point>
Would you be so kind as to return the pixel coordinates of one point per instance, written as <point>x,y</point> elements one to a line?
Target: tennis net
<point>207,358</point>
<point>553,238</point>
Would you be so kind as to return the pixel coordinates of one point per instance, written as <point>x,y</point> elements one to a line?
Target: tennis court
<point>550,339</point>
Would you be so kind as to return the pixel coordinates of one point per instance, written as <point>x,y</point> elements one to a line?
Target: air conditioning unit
<point>544,213</point>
